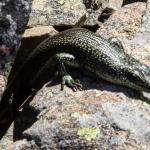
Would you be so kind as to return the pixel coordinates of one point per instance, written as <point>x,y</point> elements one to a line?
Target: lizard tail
<point>5,122</point>
<point>9,105</point>
<point>5,112</point>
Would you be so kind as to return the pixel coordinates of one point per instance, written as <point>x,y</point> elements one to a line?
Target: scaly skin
<point>91,51</point>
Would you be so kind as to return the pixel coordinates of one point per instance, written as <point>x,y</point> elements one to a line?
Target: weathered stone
<point>7,139</point>
<point>96,4</point>
<point>115,5</point>
<point>13,19</point>
<point>99,119</point>
<point>2,85</point>
<point>23,145</point>
<point>105,117</point>
<point>146,19</point>
<point>39,31</point>
<point>126,24</point>
<point>96,7</point>
<point>139,46</point>
<point>33,37</point>
<point>56,12</point>
<point>123,23</point>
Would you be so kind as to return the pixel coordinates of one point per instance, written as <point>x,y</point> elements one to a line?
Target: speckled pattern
<point>95,54</point>
<point>92,52</point>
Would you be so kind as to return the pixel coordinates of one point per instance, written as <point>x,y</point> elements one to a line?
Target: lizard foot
<point>70,82</point>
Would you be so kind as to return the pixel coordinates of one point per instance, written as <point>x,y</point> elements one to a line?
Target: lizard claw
<point>70,82</point>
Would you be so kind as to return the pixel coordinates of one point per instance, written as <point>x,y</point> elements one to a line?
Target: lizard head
<point>139,78</point>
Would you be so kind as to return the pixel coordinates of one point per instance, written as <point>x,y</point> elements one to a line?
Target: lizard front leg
<point>55,64</point>
<point>67,59</point>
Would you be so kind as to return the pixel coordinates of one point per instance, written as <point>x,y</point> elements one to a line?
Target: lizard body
<point>90,51</point>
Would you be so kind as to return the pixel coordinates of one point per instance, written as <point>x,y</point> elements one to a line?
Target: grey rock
<point>104,116</point>
<point>146,19</point>
<point>2,85</point>
<point>23,145</point>
<point>96,4</point>
<point>139,44</point>
<point>13,19</point>
<point>56,12</point>
<point>128,25</point>
<point>95,9</point>
<point>89,119</point>
<point>129,118</point>
<point>123,23</point>
<point>32,37</point>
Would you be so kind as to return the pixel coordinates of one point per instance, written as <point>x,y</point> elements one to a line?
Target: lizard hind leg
<point>67,59</point>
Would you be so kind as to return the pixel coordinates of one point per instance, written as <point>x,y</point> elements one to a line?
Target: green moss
<point>88,133</point>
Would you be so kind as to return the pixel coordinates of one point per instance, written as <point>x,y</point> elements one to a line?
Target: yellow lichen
<point>61,2</point>
<point>88,133</point>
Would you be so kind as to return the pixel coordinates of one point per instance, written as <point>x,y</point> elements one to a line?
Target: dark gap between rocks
<point>106,13</point>
<point>60,28</point>
<point>92,4</point>
<point>126,2</point>
<point>92,28</point>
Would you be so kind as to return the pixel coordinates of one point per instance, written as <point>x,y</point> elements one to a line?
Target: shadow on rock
<point>25,119</point>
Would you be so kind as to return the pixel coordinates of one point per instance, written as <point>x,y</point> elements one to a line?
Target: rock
<point>7,140</point>
<point>91,119</point>
<point>140,44</point>
<point>96,4</point>
<point>39,31</point>
<point>23,145</point>
<point>2,85</point>
<point>123,23</point>
<point>61,12</point>
<point>102,116</point>
<point>56,12</point>
<point>115,5</point>
<point>33,37</point>
<point>13,19</point>
<point>95,9</point>
<point>146,19</point>
<point>106,118</point>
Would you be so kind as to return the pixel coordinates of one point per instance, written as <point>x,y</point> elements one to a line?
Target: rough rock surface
<point>103,115</point>
<point>128,25</point>
<point>56,12</point>
<point>14,16</point>
<point>2,84</point>
<point>23,145</point>
<point>97,118</point>
<point>32,37</point>
<point>62,12</point>
<point>123,23</point>
<point>146,19</point>
<point>140,44</point>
